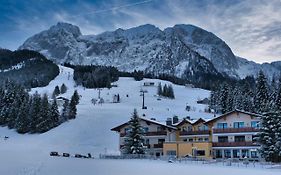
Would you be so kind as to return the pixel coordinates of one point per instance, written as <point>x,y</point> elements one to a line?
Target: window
<point>239,138</point>
<point>254,154</point>
<point>145,129</point>
<point>183,128</point>
<point>185,140</point>
<point>218,153</point>
<point>206,139</point>
<point>189,128</point>
<point>222,139</point>
<point>190,140</point>
<point>200,152</point>
<point>227,153</point>
<point>238,124</point>
<point>255,124</point>
<point>200,139</point>
<point>147,141</point>
<point>171,153</point>
<point>161,141</point>
<point>245,153</point>
<point>222,125</point>
<point>236,153</point>
<point>203,128</point>
<point>127,130</point>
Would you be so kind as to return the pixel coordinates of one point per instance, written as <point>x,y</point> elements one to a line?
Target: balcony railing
<point>235,130</point>
<point>155,133</point>
<point>159,145</point>
<point>234,144</point>
<point>205,132</point>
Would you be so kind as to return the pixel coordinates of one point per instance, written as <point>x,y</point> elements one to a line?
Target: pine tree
<point>261,97</point>
<point>63,89</point>
<point>223,98</point>
<point>165,91</point>
<point>35,111</point>
<point>269,136</point>
<point>56,92</point>
<point>134,143</point>
<point>54,114</point>
<point>76,97</point>
<point>65,112</point>
<point>230,100</point>
<point>23,120</point>
<point>159,90</point>
<point>171,92</point>
<point>278,98</point>
<point>42,122</point>
<point>72,107</point>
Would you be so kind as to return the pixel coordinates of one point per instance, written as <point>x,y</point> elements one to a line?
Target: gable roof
<point>184,121</point>
<point>231,112</point>
<point>198,121</point>
<point>117,128</point>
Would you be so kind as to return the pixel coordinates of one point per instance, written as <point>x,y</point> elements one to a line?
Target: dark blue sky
<point>252,28</point>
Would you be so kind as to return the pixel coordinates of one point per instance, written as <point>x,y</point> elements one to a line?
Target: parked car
<point>54,153</point>
<point>78,156</point>
<point>65,154</point>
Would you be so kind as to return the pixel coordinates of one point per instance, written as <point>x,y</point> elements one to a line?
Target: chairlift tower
<point>142,91</point>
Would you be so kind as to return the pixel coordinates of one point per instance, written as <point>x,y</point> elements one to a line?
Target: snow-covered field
<point>90,133</point>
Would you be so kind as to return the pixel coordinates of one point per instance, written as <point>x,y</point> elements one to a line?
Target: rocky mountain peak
<point>182,50</point>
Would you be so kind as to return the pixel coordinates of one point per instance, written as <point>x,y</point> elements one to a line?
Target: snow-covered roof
<point>117,128</point>
<point>192,122</point>
<point>228,113</point>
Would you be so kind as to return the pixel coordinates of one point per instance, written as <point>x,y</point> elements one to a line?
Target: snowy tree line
<point>36,69</point>
<point>32,113</point>
<point>257,95</point>
<point>92,76</point>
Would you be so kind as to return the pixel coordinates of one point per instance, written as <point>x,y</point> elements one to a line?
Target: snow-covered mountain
<point>251,68</point>
<point>182,50</point>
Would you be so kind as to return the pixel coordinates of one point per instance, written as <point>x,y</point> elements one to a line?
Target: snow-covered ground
<point>90,132</point>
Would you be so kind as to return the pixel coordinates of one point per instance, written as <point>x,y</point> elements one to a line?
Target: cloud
<point>251,28</point>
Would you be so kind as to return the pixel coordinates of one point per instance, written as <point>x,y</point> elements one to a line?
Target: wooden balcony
<point>235,130</point>
<point>233,144</point>
<point>156,133</point>
<point>205,132</point>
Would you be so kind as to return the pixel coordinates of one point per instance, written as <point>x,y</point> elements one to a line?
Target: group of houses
<point>231,135</point>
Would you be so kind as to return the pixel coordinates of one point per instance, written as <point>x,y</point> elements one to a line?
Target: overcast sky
<point>252,28</point>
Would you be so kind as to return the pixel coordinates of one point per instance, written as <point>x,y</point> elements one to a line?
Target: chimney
<point>188,117</point>
<point>175,119</point>
<point>169,121</point>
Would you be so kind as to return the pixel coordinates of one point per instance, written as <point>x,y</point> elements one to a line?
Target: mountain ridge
<point>182,50</point>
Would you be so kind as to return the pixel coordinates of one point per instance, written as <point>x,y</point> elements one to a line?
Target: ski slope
<point>90,131</point>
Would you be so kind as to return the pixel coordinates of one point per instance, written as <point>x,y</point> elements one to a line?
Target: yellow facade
<point>187,148</point>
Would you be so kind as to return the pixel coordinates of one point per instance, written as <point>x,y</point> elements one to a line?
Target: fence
<point>260,163</point>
